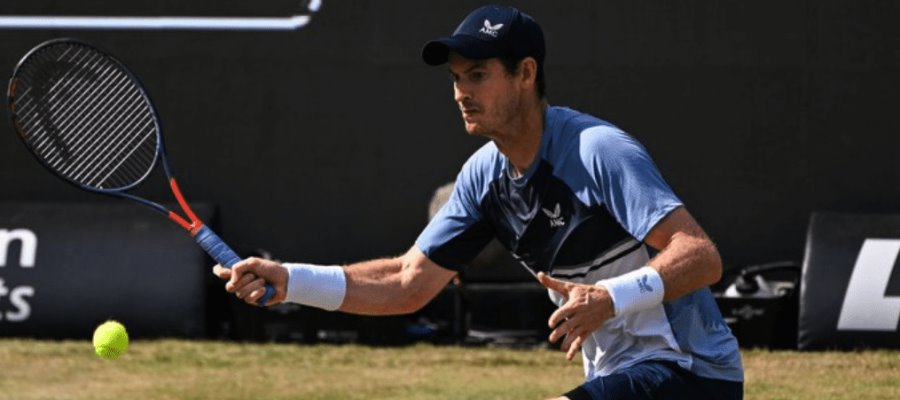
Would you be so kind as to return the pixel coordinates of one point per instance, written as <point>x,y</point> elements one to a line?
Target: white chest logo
<point>556,219</point>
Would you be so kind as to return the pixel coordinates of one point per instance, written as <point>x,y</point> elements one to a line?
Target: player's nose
<point>460,94</point>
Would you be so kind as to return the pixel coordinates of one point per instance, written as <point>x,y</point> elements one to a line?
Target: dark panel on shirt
<point>544,224</point>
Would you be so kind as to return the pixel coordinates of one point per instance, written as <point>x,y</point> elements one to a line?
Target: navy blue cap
<point>488,32</point>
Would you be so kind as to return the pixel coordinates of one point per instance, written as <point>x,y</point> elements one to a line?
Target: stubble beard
<point>494,124</point>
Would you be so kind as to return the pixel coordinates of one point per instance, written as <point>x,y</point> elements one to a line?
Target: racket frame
<point>189,222</point>
<point>207,239</point>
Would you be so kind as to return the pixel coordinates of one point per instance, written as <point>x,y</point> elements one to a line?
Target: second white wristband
<point>316,285</point>
<point>635,291</point>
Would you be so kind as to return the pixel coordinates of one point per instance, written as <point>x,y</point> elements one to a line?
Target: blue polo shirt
<point>580,213</point>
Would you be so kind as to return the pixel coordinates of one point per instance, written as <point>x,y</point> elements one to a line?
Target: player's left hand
<point>586,308</point>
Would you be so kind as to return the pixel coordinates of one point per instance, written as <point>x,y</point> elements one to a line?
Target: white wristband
<point>635,291</point>
<point>316,285</point>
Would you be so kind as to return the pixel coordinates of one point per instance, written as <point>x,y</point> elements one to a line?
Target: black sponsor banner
<point>64,268</point>
<point>850,294</point>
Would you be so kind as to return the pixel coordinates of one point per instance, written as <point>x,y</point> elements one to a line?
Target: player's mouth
<point>468,113</point>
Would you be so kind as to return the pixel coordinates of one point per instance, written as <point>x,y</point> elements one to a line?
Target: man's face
<point>487,95</point>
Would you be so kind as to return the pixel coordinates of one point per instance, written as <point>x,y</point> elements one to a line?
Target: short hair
<point>512,66</point>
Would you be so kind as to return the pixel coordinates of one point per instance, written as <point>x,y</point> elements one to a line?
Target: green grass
<point>176,369</point>
<point>862,375</point>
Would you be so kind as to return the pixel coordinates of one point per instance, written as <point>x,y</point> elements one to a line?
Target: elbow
<point>714,268</point>
<point>412,302</point>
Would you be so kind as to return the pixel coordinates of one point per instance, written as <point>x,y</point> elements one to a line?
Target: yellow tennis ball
<point>110,340</point>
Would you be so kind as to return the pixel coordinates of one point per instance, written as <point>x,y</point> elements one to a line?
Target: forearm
<point>689,262</point>
<point>390,286</point>
<point>377,287</point>
<point>687,259</point>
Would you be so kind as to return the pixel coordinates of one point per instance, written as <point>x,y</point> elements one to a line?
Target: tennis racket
<point>87,118</point>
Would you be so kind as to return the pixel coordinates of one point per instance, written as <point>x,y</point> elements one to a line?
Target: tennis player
<point>579,202</point>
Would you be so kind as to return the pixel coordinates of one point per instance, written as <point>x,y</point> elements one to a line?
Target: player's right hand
<point>247,279</point>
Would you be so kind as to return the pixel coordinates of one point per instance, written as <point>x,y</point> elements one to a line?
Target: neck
<point>523,138</point>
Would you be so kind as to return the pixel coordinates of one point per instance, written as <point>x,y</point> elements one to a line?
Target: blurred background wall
<point>325,144</point>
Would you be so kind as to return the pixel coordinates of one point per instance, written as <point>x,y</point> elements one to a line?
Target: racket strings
<point>89,119</point>
<point>87,168</point>
<point>86,117</point>
<point>48,106</point>
<point>64,116</point>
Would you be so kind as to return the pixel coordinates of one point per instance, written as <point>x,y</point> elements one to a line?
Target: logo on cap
<point>489,29</point>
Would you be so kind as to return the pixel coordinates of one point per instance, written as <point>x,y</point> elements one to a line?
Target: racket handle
<point>219,251</point>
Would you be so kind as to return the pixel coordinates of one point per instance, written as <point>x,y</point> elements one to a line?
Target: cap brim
<point>436,52</point>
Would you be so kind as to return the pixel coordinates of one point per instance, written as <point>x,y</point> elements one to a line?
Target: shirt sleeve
<point>458,233</point>
<point>627,180</point>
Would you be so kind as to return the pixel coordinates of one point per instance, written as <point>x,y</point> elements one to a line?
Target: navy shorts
<point>653,380</point>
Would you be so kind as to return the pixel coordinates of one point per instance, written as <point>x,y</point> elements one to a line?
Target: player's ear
<point>528,71</point>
